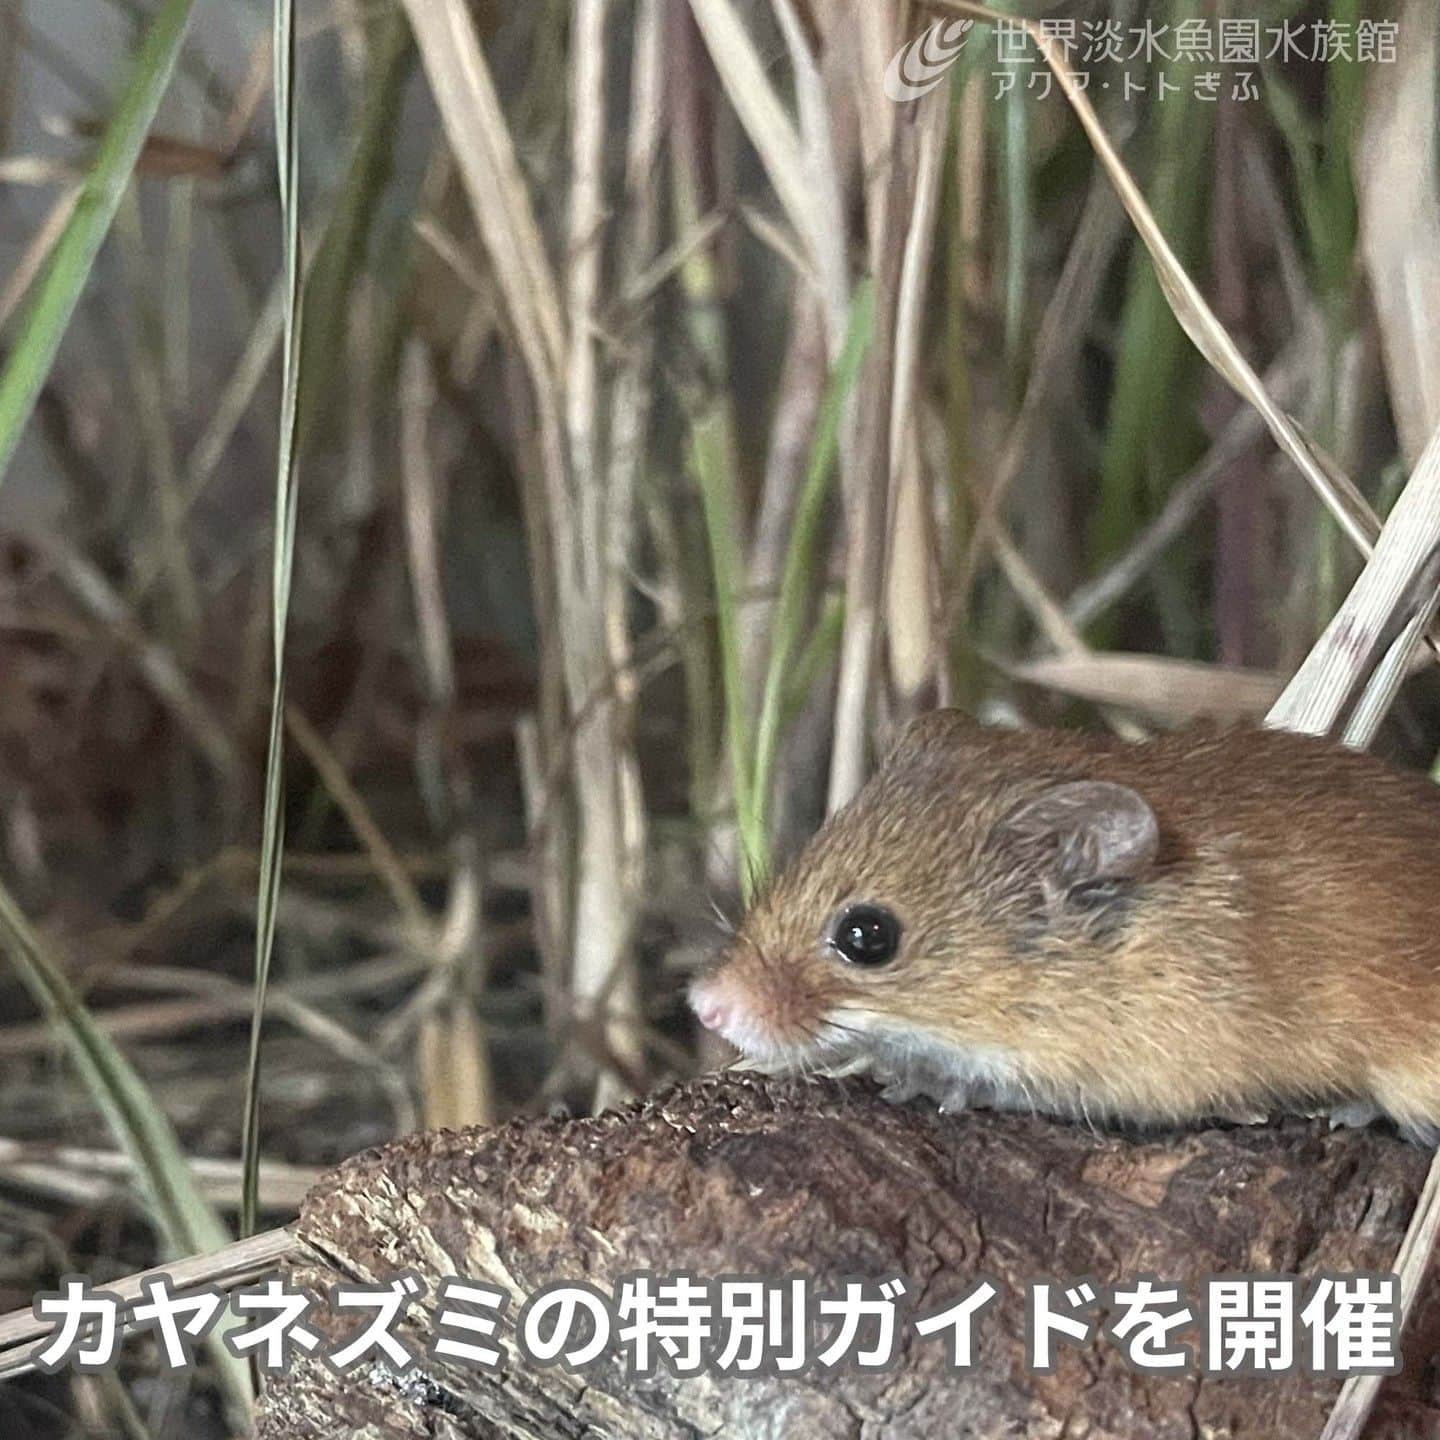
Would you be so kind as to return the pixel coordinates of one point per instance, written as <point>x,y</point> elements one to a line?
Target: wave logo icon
<point>922,64</point>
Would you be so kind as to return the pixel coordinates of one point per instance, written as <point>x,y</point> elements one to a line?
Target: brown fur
<point>1283,950</point>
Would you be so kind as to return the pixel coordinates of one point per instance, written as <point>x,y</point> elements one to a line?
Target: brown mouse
<point>1211,923</point>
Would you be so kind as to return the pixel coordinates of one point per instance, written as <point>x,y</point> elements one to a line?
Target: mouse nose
<point>712,1011</point>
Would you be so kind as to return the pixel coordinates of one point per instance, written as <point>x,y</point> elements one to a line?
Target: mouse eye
<point>866,935</point>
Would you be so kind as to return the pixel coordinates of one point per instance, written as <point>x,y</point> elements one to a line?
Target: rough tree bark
<point>736,1175</point>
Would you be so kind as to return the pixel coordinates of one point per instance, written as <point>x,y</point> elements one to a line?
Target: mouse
<point>1215,923</point>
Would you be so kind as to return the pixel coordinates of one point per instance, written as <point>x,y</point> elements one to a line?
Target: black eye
<point>866,935</point>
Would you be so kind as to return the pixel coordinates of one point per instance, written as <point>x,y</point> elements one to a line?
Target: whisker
<point>726,924</point>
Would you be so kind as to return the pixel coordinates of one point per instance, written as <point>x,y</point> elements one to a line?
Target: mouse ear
<point>1085,833</point>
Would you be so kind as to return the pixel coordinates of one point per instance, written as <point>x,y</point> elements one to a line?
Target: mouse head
<point>955,898</point>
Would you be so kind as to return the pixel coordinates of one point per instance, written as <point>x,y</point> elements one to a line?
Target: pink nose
<point>711,1011</point>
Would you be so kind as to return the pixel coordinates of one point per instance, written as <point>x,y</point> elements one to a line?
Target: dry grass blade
<point>569,515</point>
<point>475,126</point>
<point>92,1177</point>
<point>1056,346</point>
<point>352,806</point>
<point>1043,608</point>
<point>631,403</point>
<point>765,119</point>
<point>911,582</point>
<point>586,233</point>
<point>37,252</point>
<point>876,32</point>
<point>1399,201</point>
<point>777,236</point>
<point>817,133</point>
<point>1288,377</point>
<point>1396,585</point>
<point>156,664</point>
<point>454,1056</point>
<point>632,398</point>
<point>868,473</point>
<point>692,241</point>
<point>1334,488</point>
<point>797,574</point>
<point>798,397</point>
<point>1175,692</point>
<point>612,832</point>
<point>227,1267</point>
<point>249,371</point>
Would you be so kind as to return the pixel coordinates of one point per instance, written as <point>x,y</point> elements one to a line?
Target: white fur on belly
<point>909,1063</point>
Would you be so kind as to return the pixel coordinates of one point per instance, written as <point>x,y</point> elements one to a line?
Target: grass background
<point>669,415</point>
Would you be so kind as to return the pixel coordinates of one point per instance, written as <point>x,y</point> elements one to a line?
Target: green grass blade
<point>337,261</point>
<point>286,494</point>
<point>800,561</point>
<point>1154,368</point>
<point>822,646</point>
<point>713,465</point>
<point>74,254</point>
<point>187,1223</point>
<point>186,1220</point>
<point>1343,90</point>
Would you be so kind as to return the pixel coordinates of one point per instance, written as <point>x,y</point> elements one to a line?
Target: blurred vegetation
<point>672,414</point>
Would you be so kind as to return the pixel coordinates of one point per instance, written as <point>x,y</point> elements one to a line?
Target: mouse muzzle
<point>772,1012</point>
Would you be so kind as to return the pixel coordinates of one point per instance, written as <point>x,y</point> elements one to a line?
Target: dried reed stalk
<point>559,346</point>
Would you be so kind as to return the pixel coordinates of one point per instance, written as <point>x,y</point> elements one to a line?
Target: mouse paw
<point>841,1069</point>
<point>1235,1115</point>
<point>750,1065</point>
<point>955,1099</point>
<point>1354,1114</point>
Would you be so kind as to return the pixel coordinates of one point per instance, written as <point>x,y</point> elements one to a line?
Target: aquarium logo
<point>922,64</point>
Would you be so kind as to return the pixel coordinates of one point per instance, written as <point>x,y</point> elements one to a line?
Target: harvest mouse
<point>1211,923</point>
